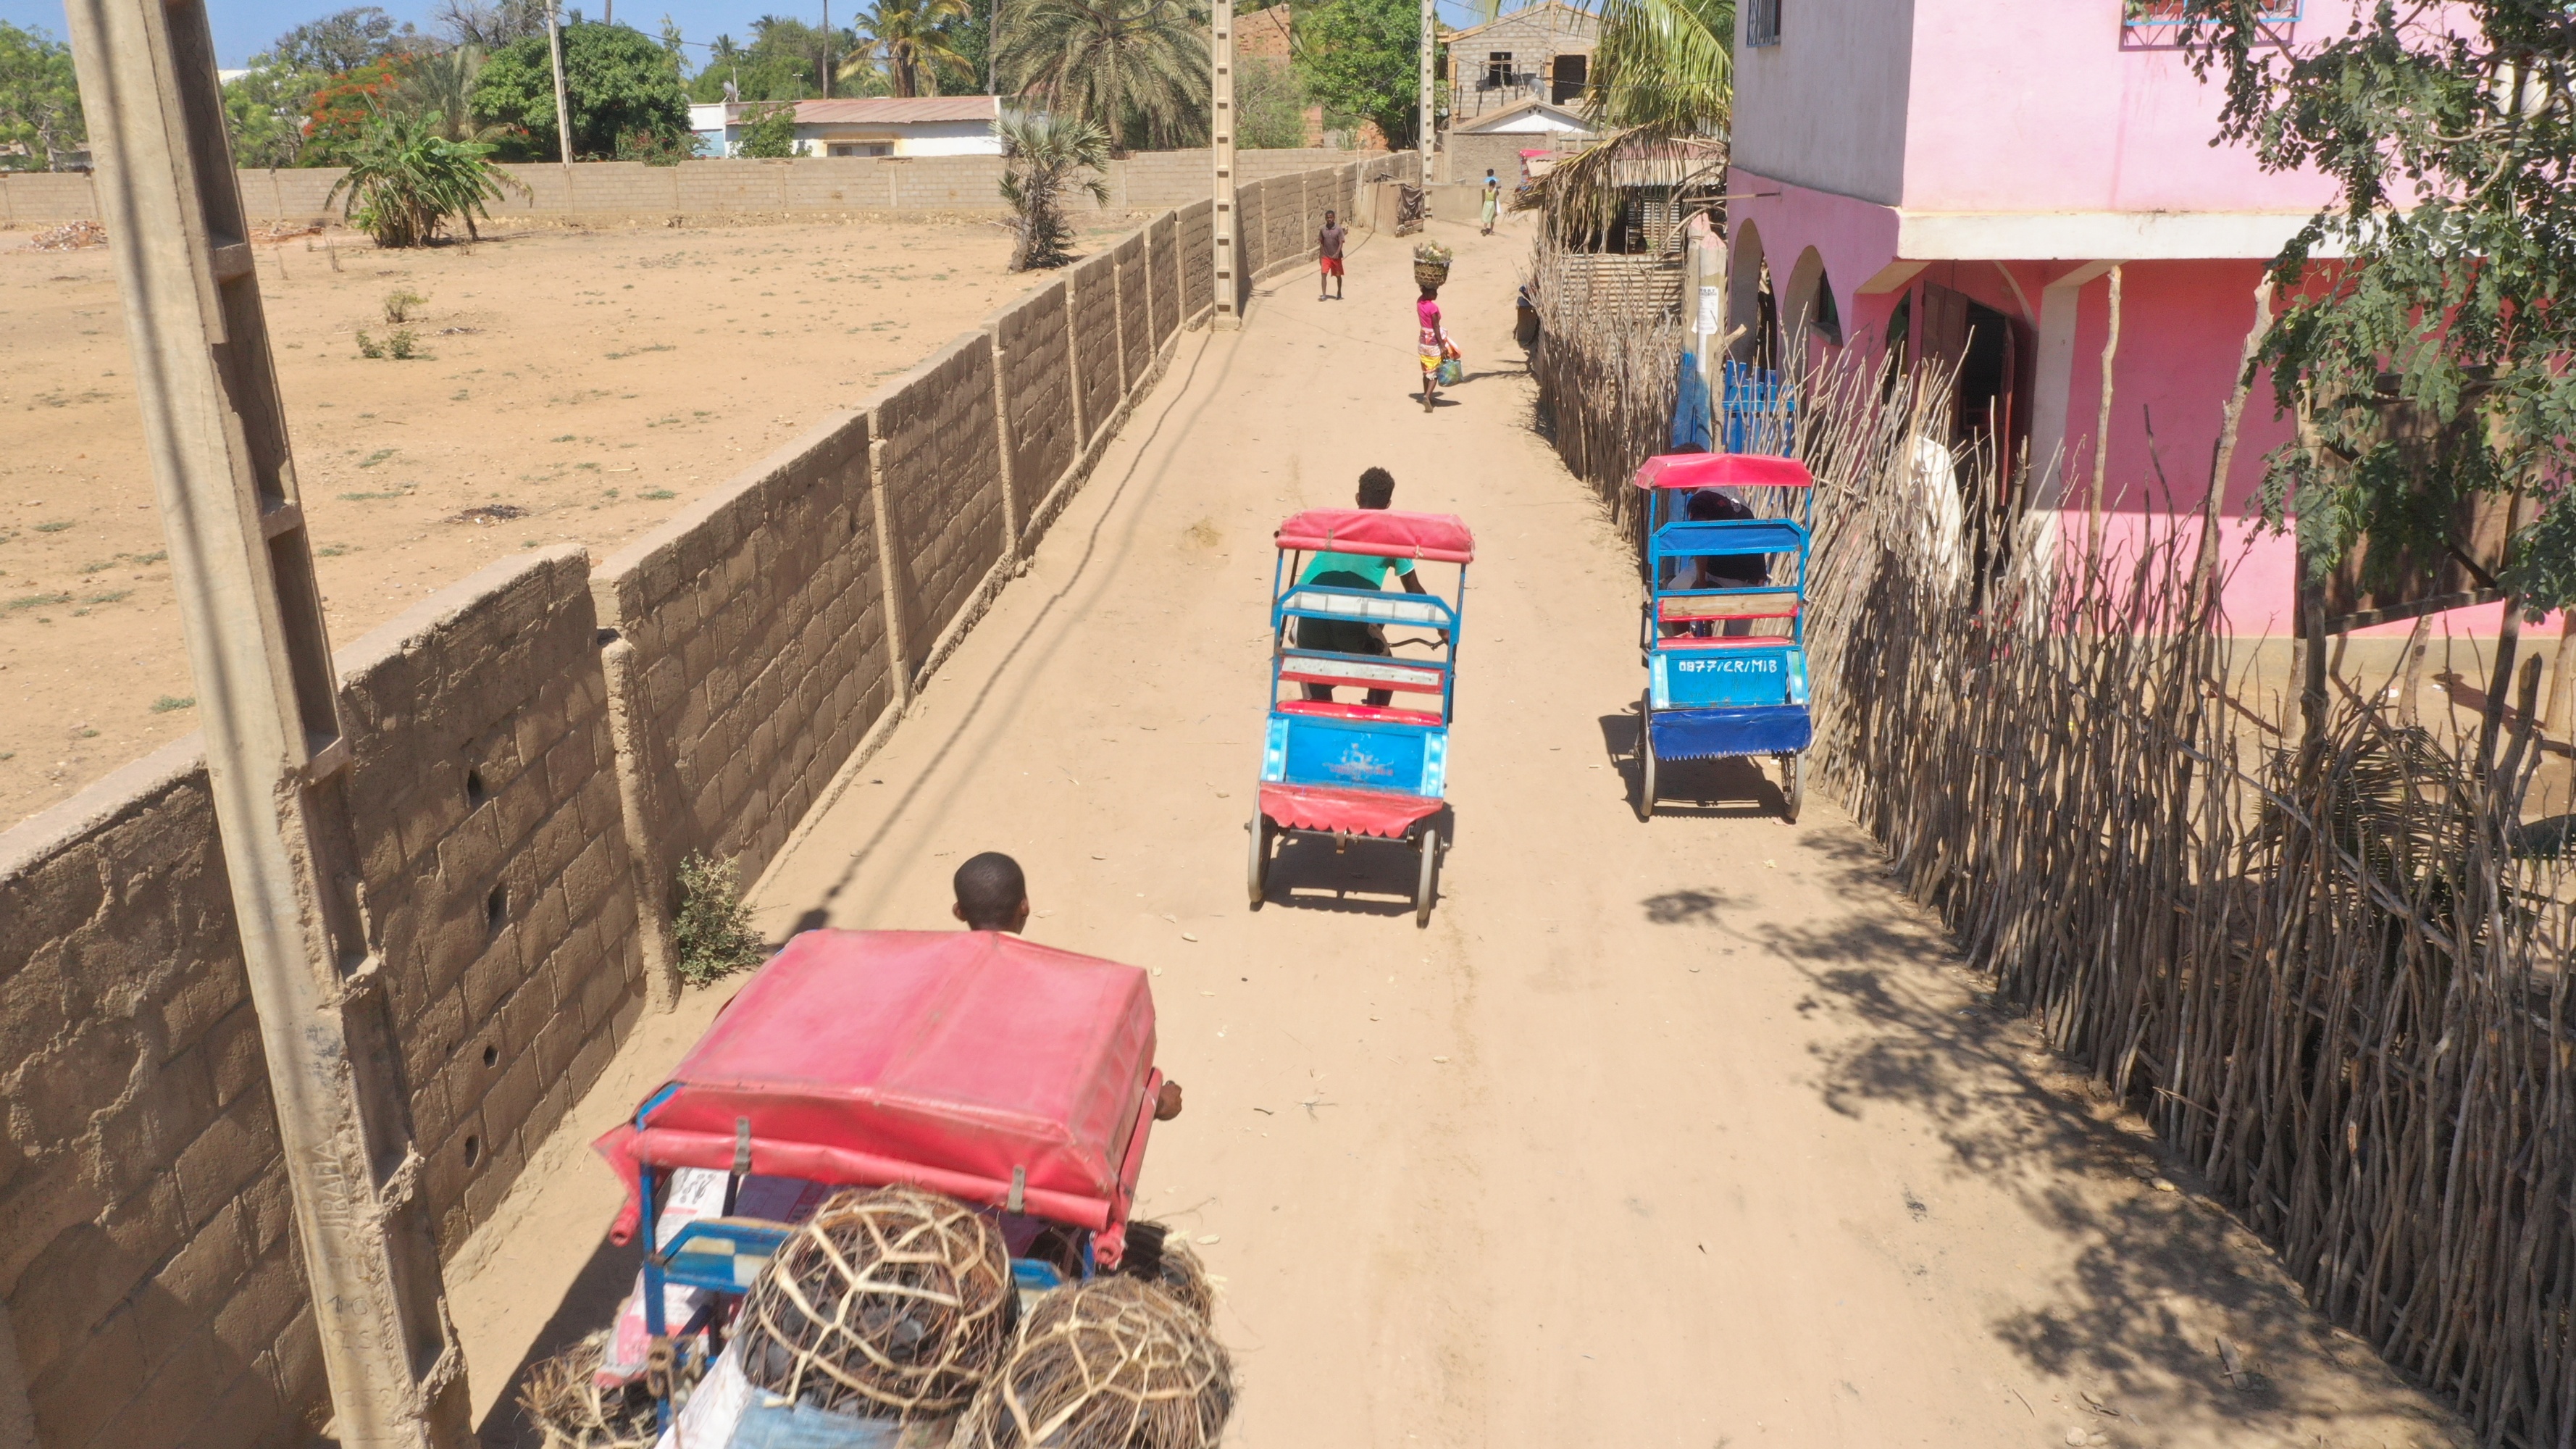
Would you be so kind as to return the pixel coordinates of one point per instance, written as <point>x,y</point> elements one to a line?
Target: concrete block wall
<point>1135,310</point>
<point>1033,347</point>
<point>1092,283</point>
<point>45,198</point>
<point>534,750</point>
<point>756,656</point>
<point>938,478</point>
<point>1198,269</point>
<point>487,822</point>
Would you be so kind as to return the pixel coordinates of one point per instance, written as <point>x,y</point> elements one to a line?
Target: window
<point>1762,22</point>
<point>1498,69</point>
<point>862,148</point>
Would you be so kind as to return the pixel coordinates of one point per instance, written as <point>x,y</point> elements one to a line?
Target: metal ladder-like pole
<point>267,696</point>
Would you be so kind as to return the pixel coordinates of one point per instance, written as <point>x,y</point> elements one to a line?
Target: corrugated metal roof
<point>896,110</point>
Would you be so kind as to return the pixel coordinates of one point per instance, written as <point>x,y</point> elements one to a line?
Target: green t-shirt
<point>1371,570</point>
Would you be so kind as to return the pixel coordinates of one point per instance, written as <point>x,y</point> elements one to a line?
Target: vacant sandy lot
<point>591,381</point>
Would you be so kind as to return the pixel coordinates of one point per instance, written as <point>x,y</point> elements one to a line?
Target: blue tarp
<point>1709,734</point>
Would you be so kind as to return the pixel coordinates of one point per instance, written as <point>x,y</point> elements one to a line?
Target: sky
<point>245,27</point>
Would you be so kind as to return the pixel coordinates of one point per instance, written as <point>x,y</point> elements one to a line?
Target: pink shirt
<point>1429,312</point>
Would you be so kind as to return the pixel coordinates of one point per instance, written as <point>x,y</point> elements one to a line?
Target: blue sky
<point>243,29</point>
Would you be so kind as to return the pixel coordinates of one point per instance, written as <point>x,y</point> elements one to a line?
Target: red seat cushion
<point>1372,713</point>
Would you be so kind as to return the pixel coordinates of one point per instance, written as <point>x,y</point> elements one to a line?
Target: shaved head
<point>992,894</point>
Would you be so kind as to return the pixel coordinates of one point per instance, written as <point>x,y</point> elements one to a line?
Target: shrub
<point>1040,156</point>
<point>770,134</point>
<point>398,305</point>
<point>712,928</point>
<point>405,181</point>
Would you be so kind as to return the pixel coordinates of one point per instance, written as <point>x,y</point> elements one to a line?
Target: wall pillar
<point>2052,377</point>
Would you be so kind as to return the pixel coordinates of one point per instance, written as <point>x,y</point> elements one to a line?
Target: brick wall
<point>938,471</point>
<point>42,198</point>
<point>1163,276</point>
<point>524,783</point>
<point>1198,267</point>
<point>1094,289</point>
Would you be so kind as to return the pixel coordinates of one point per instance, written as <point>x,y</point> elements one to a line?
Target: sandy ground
<point>572,385</point>
<point>1691,1133</point>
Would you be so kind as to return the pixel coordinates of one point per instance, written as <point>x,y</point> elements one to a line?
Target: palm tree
<point>405,180</point>
<point>1040,155</point>
<point>913,37</point>
<point>441,89</point>
<point>1664,63</point>
<point>1113,61</point>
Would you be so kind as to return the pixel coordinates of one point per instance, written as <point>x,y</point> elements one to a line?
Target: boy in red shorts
<point>1328,250</point>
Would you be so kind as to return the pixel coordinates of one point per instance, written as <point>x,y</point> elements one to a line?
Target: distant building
<point>1500,140</point>
<point>1543,53</point>
<point>872,126</point>
<point>1264,35</point>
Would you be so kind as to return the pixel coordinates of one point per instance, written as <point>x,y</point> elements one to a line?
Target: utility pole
<point>1228,315</point>
<point>827,49</point>
<point>563,109</point>
<point>992,49</point>
<point>1427,138</point>
<point>277,761</point>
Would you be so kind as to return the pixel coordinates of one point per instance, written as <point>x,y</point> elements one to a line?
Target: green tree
<point>266,109</point>
<point>2427,362</point>
<point>405,181</point>
<point>1138,69</point>
<point>441,89</point>
<point>1269,103</point>
<point>40,107</point>
<point>1362,58</point>
<point>336,44</point>
<point>620,85</point>
<point>1668,64</point>
<point>1042,158</point>
<point>913,39</point>
<point>769,131</point>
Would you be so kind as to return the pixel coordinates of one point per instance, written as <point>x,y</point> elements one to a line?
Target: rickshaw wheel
<point>1429,845</point>
<point>1258,880</point>
<point>1792,787</point>
<point>1646,755</point>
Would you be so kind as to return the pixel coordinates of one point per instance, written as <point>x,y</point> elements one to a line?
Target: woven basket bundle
<point>564,1400</point>
<point>1116,1363</point>
<point>888,1304</point>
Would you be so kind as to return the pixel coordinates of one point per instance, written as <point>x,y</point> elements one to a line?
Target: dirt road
<point>1690,1133</point>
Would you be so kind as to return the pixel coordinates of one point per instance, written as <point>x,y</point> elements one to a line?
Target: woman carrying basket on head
<point>1433,346</point>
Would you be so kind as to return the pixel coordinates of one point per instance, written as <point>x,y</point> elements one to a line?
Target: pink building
<point>1960,177</point>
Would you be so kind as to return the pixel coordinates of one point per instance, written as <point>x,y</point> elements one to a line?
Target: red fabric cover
<point>1380,533</point>
<point>1723,470</point>
<point>1330,807</point>
<point>1330,709</point>
<point>942,1058</point>
<point>1741,641</point>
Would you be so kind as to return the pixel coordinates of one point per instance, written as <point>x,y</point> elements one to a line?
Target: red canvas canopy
<point>948,1059</point>
<point>1724,470</point>
<point>1380,533</point>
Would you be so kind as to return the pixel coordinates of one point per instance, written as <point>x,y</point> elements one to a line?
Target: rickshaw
<point>971,1063</point>
<point>1714,688</point>
<point>1336,770</point>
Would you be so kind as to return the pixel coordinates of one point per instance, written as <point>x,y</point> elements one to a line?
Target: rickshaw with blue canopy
<point>1723,634</point>
<point>1342,770</point>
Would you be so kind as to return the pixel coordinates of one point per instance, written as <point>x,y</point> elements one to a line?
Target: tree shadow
<point>2160,1276</point>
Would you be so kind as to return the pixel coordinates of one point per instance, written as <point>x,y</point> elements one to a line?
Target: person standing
<point>1493,200</point>
<point>1328,253</point>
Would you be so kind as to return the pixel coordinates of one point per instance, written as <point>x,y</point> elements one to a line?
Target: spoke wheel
<point>1646,756</point>
<point>1257,879</point>
<point>1430,847</point>
<point>1793,786</point>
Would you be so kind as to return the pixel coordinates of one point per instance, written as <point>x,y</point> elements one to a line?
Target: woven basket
<point>1115,1363</point>
<point>889,1304</point>
<point>1430,274</point>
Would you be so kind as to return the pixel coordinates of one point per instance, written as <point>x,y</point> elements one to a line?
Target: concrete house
<point>1902,181</point>
<point>1499,139</point>
<point>1543,53</point>
<point>871,126</point>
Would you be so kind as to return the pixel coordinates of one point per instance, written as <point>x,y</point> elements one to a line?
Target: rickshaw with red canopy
<point>1726,663</point>
<point>1342,770</point>
<point>973,1063</point>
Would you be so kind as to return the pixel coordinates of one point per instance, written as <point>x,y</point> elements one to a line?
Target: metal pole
<point>1425,137</point>
<point>563,108</point>
<point>1229,293</point>
<point>277,761</point>
<point>827,49</point>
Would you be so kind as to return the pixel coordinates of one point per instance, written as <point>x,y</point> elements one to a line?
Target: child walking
<point>1433,346</point>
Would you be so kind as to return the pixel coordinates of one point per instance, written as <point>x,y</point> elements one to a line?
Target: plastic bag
<point>1452,372</point>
